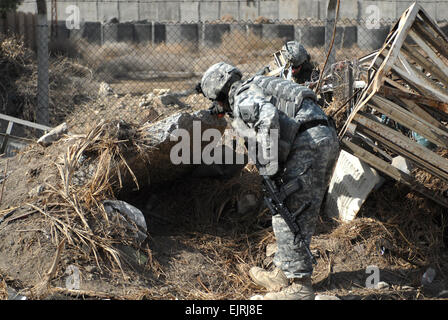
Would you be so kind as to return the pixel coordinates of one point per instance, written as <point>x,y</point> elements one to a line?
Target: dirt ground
<point>199,245</point>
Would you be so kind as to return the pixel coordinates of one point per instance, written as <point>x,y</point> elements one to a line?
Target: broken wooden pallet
<point>407,85</point>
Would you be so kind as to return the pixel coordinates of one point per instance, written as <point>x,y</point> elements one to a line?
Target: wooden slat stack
<point>407,83</point>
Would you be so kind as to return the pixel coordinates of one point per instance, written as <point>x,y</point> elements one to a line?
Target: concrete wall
<point>209,10</point>
<point>211,34</point>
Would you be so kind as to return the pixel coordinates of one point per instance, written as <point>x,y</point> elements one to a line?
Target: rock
<point>131,213</point>
<point>54,135</point>
<point>105,90</point>
<point>169,100</point>
<point>428,276</point>
<point>247,203</point>
<point>160,92</point>
<point>325,297</point>
<point>164,137</point>
<point>382,285</point>
<point>256,297</point>
<point>146,100</point>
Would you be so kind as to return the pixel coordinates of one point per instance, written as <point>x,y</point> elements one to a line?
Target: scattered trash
<point>73,281</point>
<point>54,135</point>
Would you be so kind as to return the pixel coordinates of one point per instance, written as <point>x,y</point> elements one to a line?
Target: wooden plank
<point>420,112</point>
<point>403,142</point>
<point>25,122</point>
<point>391,171</point>
<point>405,93</point>
<point>425,63</point>
<point>396,85</point>
<point>368,140</point>
<point>432,23</point>
<point>419,80</point>
<point>439,44</point>
<point>402,152</point>
<point>404,24</point>
<point>5,138</point>
<point>433,56</point>
<point>411,121</point>
<point>393,44</point>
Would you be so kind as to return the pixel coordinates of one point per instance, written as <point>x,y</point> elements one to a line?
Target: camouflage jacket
<point>266,103</point>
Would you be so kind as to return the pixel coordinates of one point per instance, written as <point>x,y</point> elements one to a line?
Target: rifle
<point>274,197</point>
<point>275,204</point>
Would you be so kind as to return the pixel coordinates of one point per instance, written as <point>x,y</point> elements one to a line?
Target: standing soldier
<point>307,150</point>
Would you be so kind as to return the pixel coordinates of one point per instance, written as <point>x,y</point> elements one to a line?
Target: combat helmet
<point>218,78</point>
<point>295,53</point>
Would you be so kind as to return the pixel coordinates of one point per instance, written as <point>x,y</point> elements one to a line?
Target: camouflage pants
<point>312,158</point>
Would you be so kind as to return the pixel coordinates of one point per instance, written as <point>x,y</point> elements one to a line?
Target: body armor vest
<point>286,96</point>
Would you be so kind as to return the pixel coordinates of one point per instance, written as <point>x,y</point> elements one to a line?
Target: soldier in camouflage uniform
<point>300,70</point>
<point>308,153</point>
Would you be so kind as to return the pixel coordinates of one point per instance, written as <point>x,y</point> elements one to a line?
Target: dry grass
<point>3,290</point>
<point>73,209</point>
<point>70,83</point>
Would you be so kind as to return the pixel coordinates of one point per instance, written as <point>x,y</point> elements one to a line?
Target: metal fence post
<point>329,26</point>
<point>42,113</point>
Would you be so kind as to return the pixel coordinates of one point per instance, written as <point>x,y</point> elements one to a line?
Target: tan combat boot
<point>300,289</point>
<point>271,280</point>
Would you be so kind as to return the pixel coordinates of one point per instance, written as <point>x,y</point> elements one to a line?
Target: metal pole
<point>42,113</point>
<point>329,26</point>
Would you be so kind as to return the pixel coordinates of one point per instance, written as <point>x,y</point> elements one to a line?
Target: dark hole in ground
<point>198,236</point>
<point>192,204</point>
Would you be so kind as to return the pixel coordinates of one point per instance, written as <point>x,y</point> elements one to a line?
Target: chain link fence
<point>121,70</point>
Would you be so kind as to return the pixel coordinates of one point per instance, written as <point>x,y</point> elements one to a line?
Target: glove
<point>216,109</point>
<point>198,88</point>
